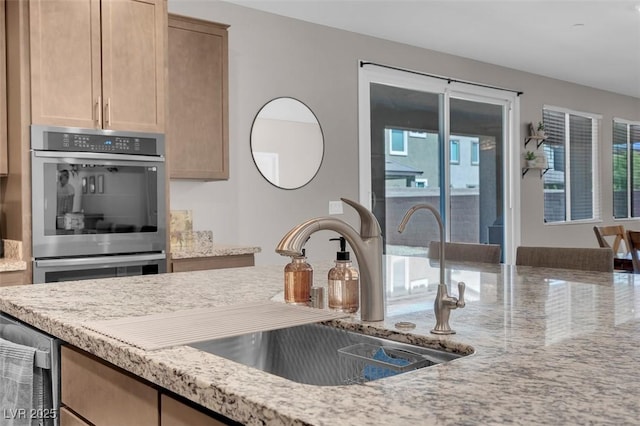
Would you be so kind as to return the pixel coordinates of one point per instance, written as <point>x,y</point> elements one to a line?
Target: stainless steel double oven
<point>98,203</point>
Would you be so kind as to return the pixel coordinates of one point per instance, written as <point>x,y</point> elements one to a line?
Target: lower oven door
<point>85,268</point>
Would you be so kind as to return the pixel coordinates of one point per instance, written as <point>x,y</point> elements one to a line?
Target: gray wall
<point>272,56</point>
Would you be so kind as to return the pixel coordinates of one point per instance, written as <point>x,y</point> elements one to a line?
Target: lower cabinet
<point>11,278</point>
<point>103,395</point>
<point>67,418</point>
<point>175,413</point>
<point>4,162</point>
<point>97,393</point>
<point>213,262</point>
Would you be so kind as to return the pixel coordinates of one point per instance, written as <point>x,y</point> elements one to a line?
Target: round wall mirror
<point>287,143</point>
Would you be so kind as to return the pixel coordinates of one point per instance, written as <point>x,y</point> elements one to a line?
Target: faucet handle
<point>461,303</point>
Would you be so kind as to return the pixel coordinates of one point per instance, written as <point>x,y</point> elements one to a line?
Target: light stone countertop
<point>551,346</point>
<point>10,265</point>
<point>215,250</point>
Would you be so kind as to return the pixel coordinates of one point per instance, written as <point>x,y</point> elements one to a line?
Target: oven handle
<point>98,156</point>
<point>100,260</point>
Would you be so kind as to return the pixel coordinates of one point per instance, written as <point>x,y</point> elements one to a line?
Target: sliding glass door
<point>430,144</point>
<point>476,172</point>
<point>406,157</point>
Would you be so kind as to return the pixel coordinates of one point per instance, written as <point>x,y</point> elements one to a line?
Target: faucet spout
<point>443,303</point>
<point>366,245</point>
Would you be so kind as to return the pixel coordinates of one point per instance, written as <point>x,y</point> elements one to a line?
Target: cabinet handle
<point>98,112</point>
<point>107,117</point>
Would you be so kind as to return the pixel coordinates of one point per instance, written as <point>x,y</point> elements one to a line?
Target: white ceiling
<point>594,43</point>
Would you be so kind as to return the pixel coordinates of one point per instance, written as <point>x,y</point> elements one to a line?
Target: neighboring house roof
<point>393,169</point>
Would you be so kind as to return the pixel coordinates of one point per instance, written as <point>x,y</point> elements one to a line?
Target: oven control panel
<point>115,143</point>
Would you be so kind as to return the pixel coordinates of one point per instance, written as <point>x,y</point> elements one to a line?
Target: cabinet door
<point>103,395</point>
<point>197,130</point>
<point>3,94</point>
<point>175,413</point>
<point>217,262</point>
<point>133,64</point>
<point>67,418</point>
<point>65,62</point>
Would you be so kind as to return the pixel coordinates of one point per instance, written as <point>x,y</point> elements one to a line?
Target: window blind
<point>571,184</point>
<point>620,170</point>
<point>626,169</point>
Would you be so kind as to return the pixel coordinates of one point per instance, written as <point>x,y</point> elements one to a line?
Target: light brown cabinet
<point>98,63</point>
<point>103,395</point>
<point>175,413</point>
<point>67,418</point>
<point>197,124</point>
<point>97,393</point>
<point>212,262</point>
<point>11,278</point>
<point>4,164</point>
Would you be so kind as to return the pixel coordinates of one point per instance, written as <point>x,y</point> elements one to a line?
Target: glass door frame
<point>511,166</point>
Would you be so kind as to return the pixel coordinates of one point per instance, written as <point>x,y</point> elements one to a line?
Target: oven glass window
<point>99,199</point>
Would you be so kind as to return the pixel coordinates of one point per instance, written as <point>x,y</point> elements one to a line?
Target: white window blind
<point>626,169</point>
<point>571,191</point>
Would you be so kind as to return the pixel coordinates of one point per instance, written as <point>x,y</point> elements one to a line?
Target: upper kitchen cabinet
<point>197,123</point>
<point>98,64</point>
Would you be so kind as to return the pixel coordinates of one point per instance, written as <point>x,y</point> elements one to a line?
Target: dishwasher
<point>46,374</point>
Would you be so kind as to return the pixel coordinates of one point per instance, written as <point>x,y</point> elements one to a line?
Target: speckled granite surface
<point>12,260</point>
<point>549,350</point>
<point>201,249</point>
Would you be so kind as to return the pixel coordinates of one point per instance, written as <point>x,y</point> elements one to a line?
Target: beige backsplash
<point>12,249</point>
<point>184,239</point>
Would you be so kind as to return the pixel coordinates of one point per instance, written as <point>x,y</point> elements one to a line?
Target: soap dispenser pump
<point>344,282</point>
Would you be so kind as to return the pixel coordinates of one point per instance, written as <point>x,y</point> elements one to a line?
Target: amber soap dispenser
<point>344,282</point>
<point>298,279</point>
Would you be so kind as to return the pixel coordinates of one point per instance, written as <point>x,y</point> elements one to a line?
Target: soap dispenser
<point>298,279</point>
<point>344,280</point>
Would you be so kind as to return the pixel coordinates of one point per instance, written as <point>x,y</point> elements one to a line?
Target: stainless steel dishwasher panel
<point>46,364</point>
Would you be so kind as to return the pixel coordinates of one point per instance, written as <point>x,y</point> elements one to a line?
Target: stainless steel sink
<point>321,355</point>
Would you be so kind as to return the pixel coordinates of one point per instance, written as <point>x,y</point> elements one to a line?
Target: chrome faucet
<point>367,246</point>
<point>444,303</point>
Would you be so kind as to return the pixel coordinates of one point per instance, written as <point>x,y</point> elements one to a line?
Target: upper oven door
<point>88,203</point>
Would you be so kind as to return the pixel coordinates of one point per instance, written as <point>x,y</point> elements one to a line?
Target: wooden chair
<point>585,259</point>
<point>619,234</point>
<point>465,252</point>
<point>633,237</point>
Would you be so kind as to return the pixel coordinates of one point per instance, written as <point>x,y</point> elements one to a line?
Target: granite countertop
<point>215,250</point>
<point>10,265</point>
<point>551,346</point>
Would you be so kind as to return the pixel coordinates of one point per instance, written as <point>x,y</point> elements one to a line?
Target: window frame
<point>475,152</point>
<point>629,168</point>
<point>596,207</point>
<point>405,142</point>
<point>452,143</point>
<point>511,163</point>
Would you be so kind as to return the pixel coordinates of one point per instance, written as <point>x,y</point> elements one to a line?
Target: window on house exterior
<point>626,169</point>
<point>571,191</point>
<point>421,135</point>
<point>397,141</point>
<point>475,153</point>
<point>454,152</point>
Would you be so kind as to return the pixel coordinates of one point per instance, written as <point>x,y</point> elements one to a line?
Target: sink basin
<point>317,354</point>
